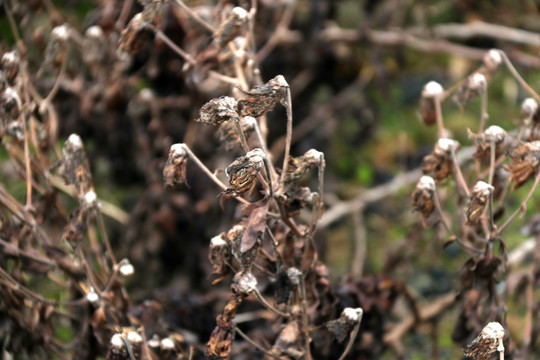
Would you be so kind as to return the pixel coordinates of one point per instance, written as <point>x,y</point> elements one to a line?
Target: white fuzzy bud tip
<point>240,13</point>
<point>90,197</point>
<point>134,337</point>
<point>94,32</point>
<point>12,94</point>
<point>482,188</point>
<point>10,57</point>
<point>256,155</point>
<point>477,81</point>
<point>493,57</point>
<point>352,315</point>
<point>75,141</point>
<point>495,133</point>
<point>167,344</point>
<point>116,341</point>
<point>250,121</point>
<point>61,32</point>
<point>178,149</point>
<point>426,183</point>
<point>280,81</point>
<point>432,89</point>
<point>314,154</point>
<point>447,145</point>
<point>126,269</point>
<point>246,282</point>
<point>493,330</point>
<point>218,241</point>
<point>92,296</point>
<point>529,106</point>
<point>154,342</point>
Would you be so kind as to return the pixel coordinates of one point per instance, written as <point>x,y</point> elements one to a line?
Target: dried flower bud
<point>10,64</point>
<point>295,199</point>
<point>261,99</point>
<point>216,111</point>
<point>243,171</point>
<point>90,198</point>
<point>342,326</point>
<point>74,167</point>
<point>10,104</point>
<point>136,36</point>
<point>493,59</point>
<point>174,172</point>
<point>439,164</point>
<point>94,46</point>
<point>525,158</point>
<point>489,341</point>
<point>478,201</point>
<point>423,196</point>
<point>154,343</point>
<point>219,256</point>
<point>299,166</point>
<point>58,45</point>
<point>471,88</point>
<point>167,344</point>
<point>126,269</point>
<point>230,27</point>
<point>492,135</point>
<point>117,348</point>
<point>134,337</point>
<point>92,296</point>
<point>229,135</point>
<point>294,276</point>
<point>427,109</point>
<point>244,283</point>
<point>529,107</point>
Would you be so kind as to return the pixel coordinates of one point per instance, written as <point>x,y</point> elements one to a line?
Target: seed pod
<point>478,201</point>
<point>439,164</point>
<point>489,341</point>
<point>342,326</point>
<point>174,172</point>
<point>427,109</point>
<point>259,100</point>
<point>136,36</point>
<point>494,134</point>
<point>10,64</point>
<point>473,86</point>
<point>299,166</point>
<point>423,196</point>
<point>243,171</point>
<point>58,45</point>
<point>230,27</point>
<point>525,158</point>
<point>94,46</point>
<point>216,111</point>
<point>228,134</point>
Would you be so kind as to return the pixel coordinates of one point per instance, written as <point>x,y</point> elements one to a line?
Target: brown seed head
<point>174,172</point>
<point>473,86</point>
<point>492,60</point>
<point>423,196</point>
<point>493,135</point>
<point>259,100</point>
<point>216,111</point>
<point>439,164</point>
<point>299,166</point>
<point>94,45</point>
<point>427,110</point>
<point>243,171</point>
<point>10,104</point>
<point>244,283</point>
<point>478,201</point>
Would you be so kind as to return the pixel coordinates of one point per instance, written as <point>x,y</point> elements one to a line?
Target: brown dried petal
<point>174,172</point>
<point>243,171</point>
<point>216,111</point>
<point>261,99</point>
<point>299,166</point>
<point>525,158</point>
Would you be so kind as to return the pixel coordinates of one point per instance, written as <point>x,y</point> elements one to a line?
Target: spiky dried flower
<point>261,99</point>
<point>471,88</point>
<point>231,26</point>
<point>136,36</point>
<point>525,158</point>
<point>216,111</point>
<point>493,135</point>
<point>439,164</point>
<point>342,326</point>
<point>10,64</point>
<point>423,196</point>
<point>489,341</point>
<point>427,110</point>
<point>478,201</point>
<point>228,135</point>
<point>299,166</point>
<point>174,172</point>
<point>243,171</point>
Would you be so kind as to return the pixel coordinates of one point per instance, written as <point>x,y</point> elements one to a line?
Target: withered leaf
<point>255,224</point>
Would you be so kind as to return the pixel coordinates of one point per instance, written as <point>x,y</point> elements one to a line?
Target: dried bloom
<point>136,36</point>
<point>439,164</point>
<point>478,201</point>
<point>126,269</point>
<point>216,111</point>
<point>228,134</point>
<point>243,171</point>
<point>261,99</point>
<point>342,326</point>
<point>58,45</point>
<point>489,341</point>
<point>154,343</point>
<point>529,107</point>
<point>10,105</point>
<point>244,283</point>
<point>295,199</point>
<point>167,344</point>
<point>230,27</point>
<point>525,158</point>
<point>74,166</point>
<point>219,256</point>
<point>493,135</point>
<point>94,46</point>
<point>432,90</point>
<point>174,172</point>
<point>10,64</point>
<point>92,296</point>
<point>299,166</point>
<point>471,88</point>
<point>492,60</point>
<point>423,196</point>
<point>117,348</point>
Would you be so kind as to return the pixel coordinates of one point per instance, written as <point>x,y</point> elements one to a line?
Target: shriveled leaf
<point>255,225</point>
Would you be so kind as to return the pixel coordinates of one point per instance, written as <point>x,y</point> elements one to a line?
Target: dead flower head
<point>299,166</point>
<point>174,172</point>
<point>244,283</point>
<point>530,113</point>
<point>10,105</point>
<point>427,110</point>
<point>489,341</point>
<point>243,171</point>
<point>477,202</point>
<point>219,256</point>
<point>492,60</point>
<point>74,166</point>
<point>228,135</point>
<point>525,158</point>
<point>10,64</point>
<point>94,46</point>
<point>342,326</point>
<point>423,196</point>
<point>230,27</point>
<point>136,36</point>
<point>471,88</point>
<point>493,135</point>
<point>439,164</point>
<point>216,111</point>
<point>58,45</point>
<point>261,99</point>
